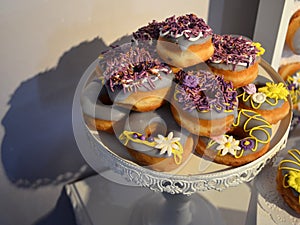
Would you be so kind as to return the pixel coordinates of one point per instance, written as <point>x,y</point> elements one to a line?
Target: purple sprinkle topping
<point>189,26</point>
<point>204,91</point>
<point>132,68</point>
<point>148,33</point>
<point>247,144</point>
<point>233,50</point>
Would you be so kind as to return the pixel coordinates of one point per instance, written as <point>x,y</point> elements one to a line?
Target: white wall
<point>36,35</point>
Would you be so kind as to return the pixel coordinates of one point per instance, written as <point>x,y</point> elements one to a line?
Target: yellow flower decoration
<point>277,91</point>
<point>261,50</point>
<point>294,180</point>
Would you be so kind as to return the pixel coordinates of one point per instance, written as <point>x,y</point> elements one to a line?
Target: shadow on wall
<point>39,147</point>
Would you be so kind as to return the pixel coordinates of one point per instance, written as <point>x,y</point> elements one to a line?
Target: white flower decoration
<point>259,97</point>
<point>167,144</point>
<point>228,145</point>
<point>296,79</point>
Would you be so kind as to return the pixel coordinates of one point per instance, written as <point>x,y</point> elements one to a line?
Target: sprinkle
<point>204,91</point>
<point>189,26</point>
<point>131,68</point>
<point>234,50</point>
<point>148,33</point>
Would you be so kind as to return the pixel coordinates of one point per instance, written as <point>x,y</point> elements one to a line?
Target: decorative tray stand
<point>176,205</point>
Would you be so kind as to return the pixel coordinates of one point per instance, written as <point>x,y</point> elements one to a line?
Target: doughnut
<point>288,179</point>
<point>291,74</point>
<point>147,35</point>
<point>236,58</point>
<point>266,98</point>
<point>107,55</point>
<point>203,103</point>
<point>155,142</point>
<point>248,139</point>
<point>184,41</point>
<point>137,81</point>
<point>98,111</point>
<point>293,33</point>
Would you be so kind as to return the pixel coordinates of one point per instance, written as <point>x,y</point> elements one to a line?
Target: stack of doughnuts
<point>178,87</point>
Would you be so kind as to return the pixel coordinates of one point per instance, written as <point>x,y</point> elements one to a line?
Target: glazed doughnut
<point>288,177</point>
<point>136,80</point>
<point>248,139</point>
<point>98,111</point>
<point>184,41</point>
<point>266,98</point>
<point>293,33</point>
<point>236,58</point>
<point>291,74</point>
<point>155,142</point>
<point>203,103</point>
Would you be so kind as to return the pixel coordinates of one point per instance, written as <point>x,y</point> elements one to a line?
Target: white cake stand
<point>176,205</point>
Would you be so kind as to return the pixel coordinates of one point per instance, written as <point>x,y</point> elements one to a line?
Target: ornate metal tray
<point>101,150</point>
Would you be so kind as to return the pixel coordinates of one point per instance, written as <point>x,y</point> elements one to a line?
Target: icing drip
<point>189,26</point>
<point>204,91</point>
<point>291,166</point>
<point>166,145</point>
<point>237,148</point>
<point>237,51</point>
<point>133,69</point>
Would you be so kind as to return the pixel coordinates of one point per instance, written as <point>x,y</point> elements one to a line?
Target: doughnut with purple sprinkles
<point>184,41</point>
<point>136,80</point>
<point>236,58</point>
<point>204,103</point>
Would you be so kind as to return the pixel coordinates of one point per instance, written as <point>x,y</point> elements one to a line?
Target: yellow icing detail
<point>126,136</point>
<point>273,91</point>
<point>262,128</point>
<point>261,50</point>
<point>295,96</point>
<point>239,155</point>
<point>276,91</point>
<point>292,178</point>
<point>247,142</point>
